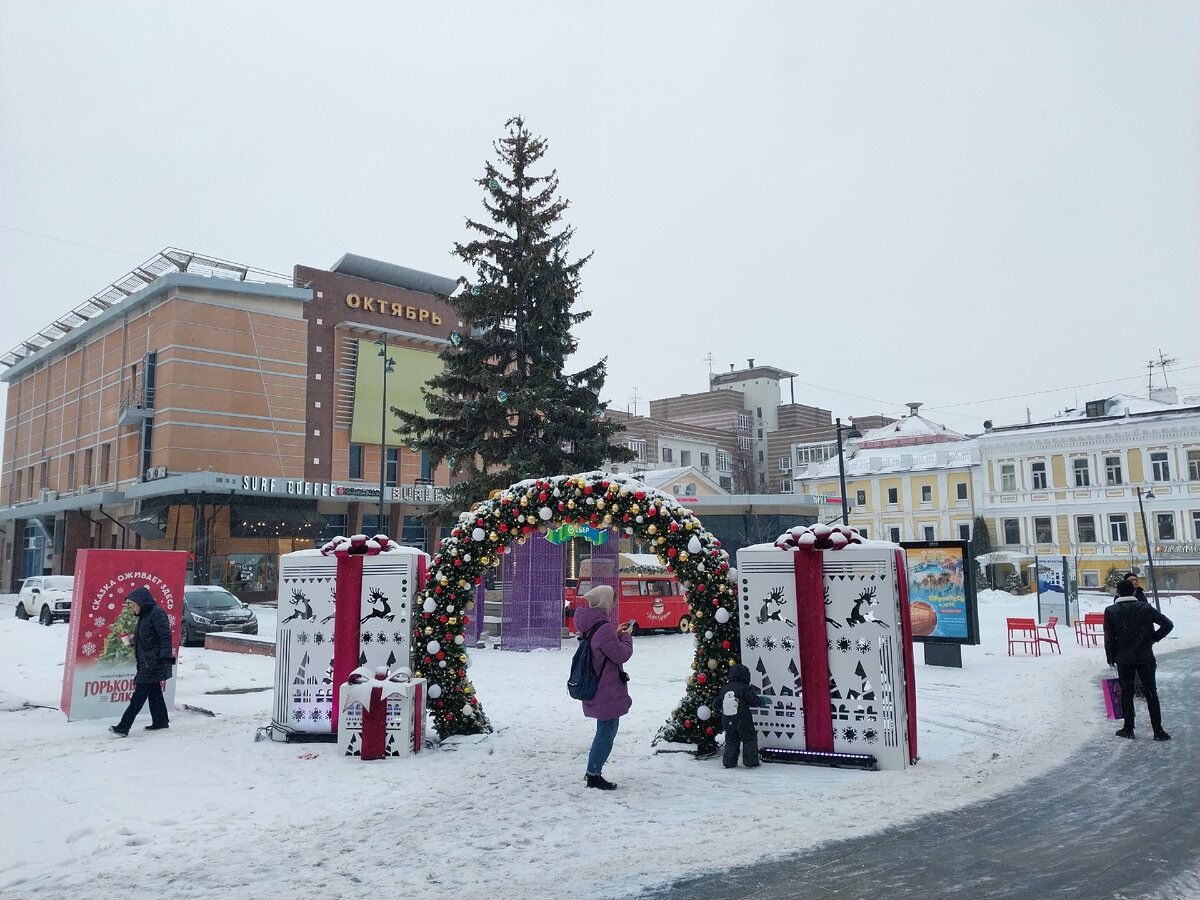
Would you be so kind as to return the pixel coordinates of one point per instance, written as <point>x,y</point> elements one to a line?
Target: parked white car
<point>46,597</point>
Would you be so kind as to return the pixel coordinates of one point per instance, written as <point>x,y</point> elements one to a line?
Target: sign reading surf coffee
<point>263,486</point>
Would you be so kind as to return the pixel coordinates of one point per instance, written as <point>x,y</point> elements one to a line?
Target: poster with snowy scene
<point>99,668</point>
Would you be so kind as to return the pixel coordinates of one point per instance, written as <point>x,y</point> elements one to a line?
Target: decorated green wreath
<point>483,535</point>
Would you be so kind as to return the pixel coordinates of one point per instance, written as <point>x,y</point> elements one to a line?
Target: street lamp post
<point>1149,555</point>
<point>389,365</point>
<point>850,433</point>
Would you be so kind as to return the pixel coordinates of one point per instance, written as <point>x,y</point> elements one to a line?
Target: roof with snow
<point>910,430</point>
<point>1108,409</point>
<point>664,478</point>
<point>883,460</point>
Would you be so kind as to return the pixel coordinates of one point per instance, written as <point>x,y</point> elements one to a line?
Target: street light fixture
<point>389,366</point>
<point>1146,536</point>
<point>851,432</point>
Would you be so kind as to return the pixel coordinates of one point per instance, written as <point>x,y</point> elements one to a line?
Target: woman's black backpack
<point>584,678</point>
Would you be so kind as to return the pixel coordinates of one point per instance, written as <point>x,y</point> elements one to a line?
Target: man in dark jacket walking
<point>1132,578</point>
<point>735,701</point>
<point>155,656</point>
<point>1129,639</point>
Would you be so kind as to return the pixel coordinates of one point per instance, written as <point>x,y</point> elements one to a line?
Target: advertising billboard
<point>99,668</point>
<point>408,373</point>
<point>941,593</point>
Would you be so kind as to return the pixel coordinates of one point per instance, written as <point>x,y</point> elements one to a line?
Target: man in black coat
<point>1132,578</point>
<point>1129,639</point>
<point>155,656</point>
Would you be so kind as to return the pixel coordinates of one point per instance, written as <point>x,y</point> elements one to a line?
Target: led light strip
<point>820,758</point>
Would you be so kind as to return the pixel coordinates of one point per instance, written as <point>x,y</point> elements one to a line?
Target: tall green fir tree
<point>506,408</point>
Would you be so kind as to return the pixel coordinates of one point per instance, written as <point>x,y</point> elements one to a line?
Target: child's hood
<point>739,673</point>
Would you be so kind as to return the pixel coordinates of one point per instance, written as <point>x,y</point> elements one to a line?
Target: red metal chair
<point>1024,632</point>
<point>1047,633</point>
<point>1089,629</point>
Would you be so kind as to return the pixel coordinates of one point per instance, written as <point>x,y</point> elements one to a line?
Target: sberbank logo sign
<point>569,530</point>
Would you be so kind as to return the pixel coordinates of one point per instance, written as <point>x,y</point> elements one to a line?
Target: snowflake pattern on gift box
<point>788,644</point>
<point>863,645</point>
<point>318,638</point>
<point>850,734</point>
<point>302,637</point>
<point>89,649</point>
<point>769,642</point>
<point>366,637</point>
<point>844,644</point>
<point>870,735</point>
<point>381,637</point>
<point>98,621</point>
<point>752,641</point>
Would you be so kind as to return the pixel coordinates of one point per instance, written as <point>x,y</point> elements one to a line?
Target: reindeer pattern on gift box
<point>857,617</point>
<point>303,609</point>
<point>767,614</point>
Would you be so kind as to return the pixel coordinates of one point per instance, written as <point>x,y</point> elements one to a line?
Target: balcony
<point>131,410</point>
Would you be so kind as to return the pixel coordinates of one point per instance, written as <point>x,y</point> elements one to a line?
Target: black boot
<point>1126,733</point>
<point>1161,735</point>
<point>597,781</point>
<point>157,727</point>
<point>117,729</point>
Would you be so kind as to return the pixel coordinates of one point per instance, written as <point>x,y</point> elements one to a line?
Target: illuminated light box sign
<point>941,593</point>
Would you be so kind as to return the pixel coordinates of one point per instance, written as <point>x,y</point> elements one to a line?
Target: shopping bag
<point>1112,697</point>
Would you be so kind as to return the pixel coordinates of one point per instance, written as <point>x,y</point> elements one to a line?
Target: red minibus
<point>653,602</point>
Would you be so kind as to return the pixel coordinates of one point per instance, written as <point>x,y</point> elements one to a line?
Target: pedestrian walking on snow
<point>1129,639</point>
<point>155,656</point>
<point>612,647</point>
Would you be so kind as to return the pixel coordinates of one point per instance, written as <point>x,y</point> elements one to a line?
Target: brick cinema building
<point>204,406</point>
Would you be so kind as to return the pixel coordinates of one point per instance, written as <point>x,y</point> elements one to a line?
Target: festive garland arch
<point>484,533</point>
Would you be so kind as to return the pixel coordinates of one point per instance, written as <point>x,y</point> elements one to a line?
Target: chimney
<point>751,361</point>
<point>912,408</point>
<point>987,424</point>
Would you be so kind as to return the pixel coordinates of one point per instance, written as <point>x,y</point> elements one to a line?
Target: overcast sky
<point>980,206</point>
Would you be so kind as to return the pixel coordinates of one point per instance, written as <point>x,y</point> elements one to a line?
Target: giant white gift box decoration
<point>383,715</point>
<point>825,635</point>
<point>360,606</point>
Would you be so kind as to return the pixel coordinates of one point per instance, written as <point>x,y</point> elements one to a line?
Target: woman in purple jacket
<point>612,646</point>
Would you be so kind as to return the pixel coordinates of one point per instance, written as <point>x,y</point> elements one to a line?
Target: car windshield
<point>58,582</point>
<point>214,599</point>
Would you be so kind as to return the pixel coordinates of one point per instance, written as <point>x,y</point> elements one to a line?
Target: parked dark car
<point>209,609</point>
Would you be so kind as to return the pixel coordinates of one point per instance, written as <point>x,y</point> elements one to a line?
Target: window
<point>1042,532</point>
<point>356,456</point>
<point>894,534</point>
<point>761,456</point>
<point>1090,578</point>
<point>704,461</point>
<point>893,496</point>
<point>1038,473</point>
<point>724,461</point>
<point>685,457</point>
<point>743,422</point>
<point>860,498</point>
<point>960,491</point>
<point>1082,474</point>
<point>106,464</point>
<point>393,466</point>
<point>964,531</point>
<point>1196,525</point>
<point>758,412</point>
<point>1012,531</point>
<point>1008,477</point>
<point>426,469</point>
<point>1164,524</point>
<point>760,434</point>
<point>929,531</point>
<point>1112,469</point>
<point>726,483</point>
<point>864,530</point>
<point>1085,528</point>
<point>1118,528</point>
<point>743,442</point>
<point>88,464</point>
<point>1193,465</point>
<point>785,486</point>
<point>927,493</point>
<point>667,454</point>
<point>762,479</point>
<point>1160,466</point>
<point>638,446</point>
<point>785,464</point>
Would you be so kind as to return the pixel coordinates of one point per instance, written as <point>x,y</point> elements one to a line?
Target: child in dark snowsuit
<point>735,702</point>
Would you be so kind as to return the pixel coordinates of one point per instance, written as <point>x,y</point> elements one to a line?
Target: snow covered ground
<point>202,810</point>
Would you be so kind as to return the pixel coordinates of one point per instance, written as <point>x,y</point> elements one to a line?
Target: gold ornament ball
<point>493,537</point>
<point>428,629</point>
<point>712,665</point>
<point>521,540</point>
<point>683,556</point>
<point>653,529</point>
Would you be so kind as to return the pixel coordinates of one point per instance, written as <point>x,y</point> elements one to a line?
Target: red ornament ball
<point>702,678</point>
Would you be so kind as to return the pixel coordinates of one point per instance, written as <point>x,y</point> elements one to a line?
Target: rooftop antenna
<point>1163,363</point>
<point>635,398</point>
<point>708,358</point>
<point>1150,377</point>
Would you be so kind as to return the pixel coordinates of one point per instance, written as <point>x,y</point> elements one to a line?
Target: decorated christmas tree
<point>506,408</point>
<point>115,650</point>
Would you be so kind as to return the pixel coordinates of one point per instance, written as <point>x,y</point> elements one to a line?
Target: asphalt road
<point>1120,820</point>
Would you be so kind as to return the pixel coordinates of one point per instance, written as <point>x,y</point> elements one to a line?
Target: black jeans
<point>749,749</point>
<point>1144,671</point>
<point>142,693</point>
